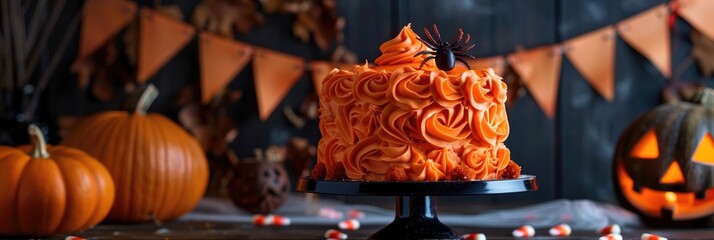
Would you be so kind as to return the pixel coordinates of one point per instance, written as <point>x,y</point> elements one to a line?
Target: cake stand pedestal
<point>415,216</point>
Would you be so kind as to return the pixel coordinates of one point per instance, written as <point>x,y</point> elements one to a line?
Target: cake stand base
<point>415,219</point>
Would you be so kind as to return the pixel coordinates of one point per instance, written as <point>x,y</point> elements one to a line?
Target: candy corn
<point>349,224</point>
<point>613,228</point>
<point>261,220</point>
<point>562,230</point>
<point>356,214</point>
<point>612,236</point>
<point>329,213</point>
<point>334,234</point>
<point>524,231</point>
<point>649,236</point>
<point>474,236</point>
<point>280,220</point>
<point>73,238</point>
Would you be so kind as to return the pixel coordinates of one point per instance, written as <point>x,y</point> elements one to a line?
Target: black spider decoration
<point>446,54</point>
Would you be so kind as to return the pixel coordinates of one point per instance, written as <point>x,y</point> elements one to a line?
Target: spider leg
<point>458,38</point>
<point>423,53</point>
<point>463,48</point>
<point>428,35</point>
<point>464,55</point>
<point>425,60</point>
<point>466,41</point>
<point>429,45</point>
<point>464,62</point>
<point>438,36</point>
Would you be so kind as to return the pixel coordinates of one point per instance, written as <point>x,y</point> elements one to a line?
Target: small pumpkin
<point>46,190</point>
<point>159,169</point>
<point>664,163</point>
<point>259,186</point>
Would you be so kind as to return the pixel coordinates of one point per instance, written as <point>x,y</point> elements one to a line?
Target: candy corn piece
<point>334,234</point>
<point>280,220</point>
<point>612,228</point>
<point>356,214</point>
<point>524,231</point>
<point>349,224</point>
<point>474,236</point>
<point>329,213</point>
<point>649,236</point>
<point>262,220</point>
<point>73,238</point>
<point>561,230</point>
<point>612,236</point>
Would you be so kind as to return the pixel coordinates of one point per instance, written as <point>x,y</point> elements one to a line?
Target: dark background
<point>570,154</point>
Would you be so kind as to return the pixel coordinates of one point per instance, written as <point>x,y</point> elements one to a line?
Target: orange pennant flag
<point>319,70</point>
<point>221,60</point>
<point>498,63</point>
<point>275,74</point>
<point>102,20</point>
<point>648,33</point>
<point>593,55</point>
<point>699,14</point>
<point>539,68</point>
<point>160,38</point>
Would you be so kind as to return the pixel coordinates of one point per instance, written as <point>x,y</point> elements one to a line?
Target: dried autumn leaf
<point>703,52</point>
<point>224,17</point>
<point>315,19</point>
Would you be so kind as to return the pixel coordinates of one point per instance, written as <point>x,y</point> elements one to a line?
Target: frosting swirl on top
<point>401,49</point>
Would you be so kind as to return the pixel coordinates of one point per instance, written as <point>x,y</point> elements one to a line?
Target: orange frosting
<point>423,121</point>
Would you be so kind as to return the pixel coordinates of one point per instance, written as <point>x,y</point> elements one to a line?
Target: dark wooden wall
<point>570,154</point>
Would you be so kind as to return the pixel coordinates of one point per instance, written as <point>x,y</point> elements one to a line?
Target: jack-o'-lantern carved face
<point>664,163</point>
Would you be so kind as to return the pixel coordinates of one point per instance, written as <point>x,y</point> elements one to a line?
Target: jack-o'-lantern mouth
<point>667,204</point>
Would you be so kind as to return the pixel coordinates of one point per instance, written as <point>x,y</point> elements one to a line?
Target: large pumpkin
<point>46,190</point>
<point>664,163</point>
<point>159,169</point>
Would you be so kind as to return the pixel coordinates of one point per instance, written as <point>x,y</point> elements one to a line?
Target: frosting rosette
<point>409,89</point>
<point>330,152</point>
<point>487,161</point>
<point>397,125</point>
<point>371,87</point>
<point>443,127</point>
<point>422,168</point>
<point>401,49</point>
<point>445,90</point>
<point>338,87</point>
<point>490,125</point>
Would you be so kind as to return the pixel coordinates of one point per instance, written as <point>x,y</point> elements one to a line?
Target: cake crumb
<point>395,173</point>
<point>512,171</point>
<point>319,171</point>
<point>462,173</point>
<point>337,171</point>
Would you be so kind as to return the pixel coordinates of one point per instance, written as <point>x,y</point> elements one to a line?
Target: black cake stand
<point>415,216</point>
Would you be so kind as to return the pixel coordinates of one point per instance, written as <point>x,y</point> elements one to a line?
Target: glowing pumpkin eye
<point>646,147</point>
<point>704,153</point>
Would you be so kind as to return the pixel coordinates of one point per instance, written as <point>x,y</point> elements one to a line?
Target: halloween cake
<point>419,114</point>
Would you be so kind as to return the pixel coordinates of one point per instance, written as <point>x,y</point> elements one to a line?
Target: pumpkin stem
<point>39,144</point>
<point>705,96</point>
<point>142,99</point>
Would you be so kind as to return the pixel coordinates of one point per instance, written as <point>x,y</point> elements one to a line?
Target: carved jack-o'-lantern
<point>259,186</point>
<point>664,163</point>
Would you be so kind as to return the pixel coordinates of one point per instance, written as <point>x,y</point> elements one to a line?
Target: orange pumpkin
<point>46,190</point>
<point>159,169</point>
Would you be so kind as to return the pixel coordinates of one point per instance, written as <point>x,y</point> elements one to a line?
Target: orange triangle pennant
<point>498,63</point>
<point>102,20</point>
<point>593,55</point>
<point>160,38</point>
<point>699,14</point>
<point>221,60</point>
<point>539,68</point>
<point>320,70</point>
<point>648,33</point>
<point>275,74</point>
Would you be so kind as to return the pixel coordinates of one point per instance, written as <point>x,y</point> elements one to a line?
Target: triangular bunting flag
<point>160,38</point>
<point>498,63</point>
<point>648,33</point>
<point>221,60</point>
<point>539,68</point>
<point>102,20</point>
<point>275,74</point>
<point>319,70</point>
<point>593,55</point>
<point>699,14</point>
